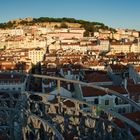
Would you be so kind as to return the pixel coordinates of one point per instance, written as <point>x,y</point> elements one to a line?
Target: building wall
<point>78,92</point>
<point>135,48</point>
<point>63,92</point>
<point>19,87</point>
<point>36,55</point>
<point>72,47</point>
<point>133,74</point>
<point>108,102</point>
<point>120,48</point>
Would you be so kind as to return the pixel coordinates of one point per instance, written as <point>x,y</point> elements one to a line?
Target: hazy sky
<point>114,13</point>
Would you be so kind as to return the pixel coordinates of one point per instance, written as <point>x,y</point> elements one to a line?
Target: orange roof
<point>137,69</point>
<point>117,88</point>
<point>134,116</point>
<point>97,77</point>
<point>77,43</point>
<point>91,92</point>
<point>68,103</point>
<point>118,67</point>
<point>120,43</point>
<point>4,77</point>
<point>134,89</point>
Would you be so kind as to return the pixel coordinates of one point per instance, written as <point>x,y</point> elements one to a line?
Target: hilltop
<point>57,23</point>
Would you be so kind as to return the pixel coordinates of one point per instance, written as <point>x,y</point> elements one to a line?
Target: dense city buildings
<point>106,58</point>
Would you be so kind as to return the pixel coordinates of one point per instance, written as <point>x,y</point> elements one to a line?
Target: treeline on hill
<point>90,27</point>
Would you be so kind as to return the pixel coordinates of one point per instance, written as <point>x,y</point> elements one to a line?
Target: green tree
<point>56,26</point>
<point>86,34</point>
<point>9,24</point>
<point>63,25</point>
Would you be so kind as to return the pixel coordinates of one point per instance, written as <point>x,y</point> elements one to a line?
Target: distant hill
<point>57,23</point>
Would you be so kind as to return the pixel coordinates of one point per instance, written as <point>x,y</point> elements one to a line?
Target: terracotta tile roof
<point>120,43</point>
<point>77,66</point>
<point>118,67</point>
<point>120,54</point>
<point>115,43</point>
<point>94,63</point>
<point>131,54</point>
<point>134,116</point>
<point>93,44</point>
<point>130,60</point>
<point>128,43</point>
<point>137,137</point>
<point>134,89</point>
<point>26,67</point>
<point>68,103</point>
<point>77,43</point>
<point>92,92</point>
<point>11,77</point>
<point>97,77</point>
<point>69,32</point>
<point>117,88</point>
<point>125,60</point>
<point>8,67</point>
<point>137,68</point>
<point>130,82</point>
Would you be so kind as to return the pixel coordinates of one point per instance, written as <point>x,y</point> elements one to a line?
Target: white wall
<point>19,87</point>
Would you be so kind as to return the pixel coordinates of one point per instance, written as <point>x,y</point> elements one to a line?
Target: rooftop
<point>92,92</point>
<point>97,77</point>
<point>11,77</point>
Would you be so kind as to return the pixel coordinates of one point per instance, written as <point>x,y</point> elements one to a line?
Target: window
<point>119,110</point>
<point>116,101</point>
<point>123,110</point>
<point>106,102</point>
<point>96,101</point>
<point>19,89</point>
<point>85,106</point>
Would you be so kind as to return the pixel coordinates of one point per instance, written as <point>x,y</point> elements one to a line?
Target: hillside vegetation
<point>87,25</point>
